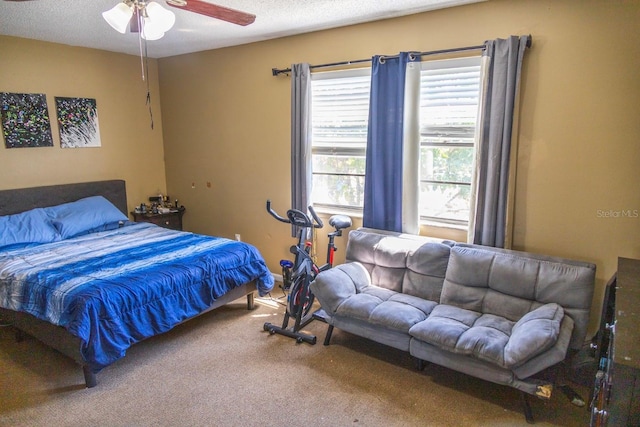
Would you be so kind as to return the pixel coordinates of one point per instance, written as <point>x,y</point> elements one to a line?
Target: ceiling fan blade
<point>214,11</point>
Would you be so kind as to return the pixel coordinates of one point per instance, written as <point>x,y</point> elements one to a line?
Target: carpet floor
<point>223,369</point>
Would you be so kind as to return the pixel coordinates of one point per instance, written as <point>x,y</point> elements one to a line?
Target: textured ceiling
<point>79,22</point>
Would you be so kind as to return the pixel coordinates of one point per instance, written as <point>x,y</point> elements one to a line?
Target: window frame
<point>431,64</point>
<point>336,150</point>
<point>443,64</point>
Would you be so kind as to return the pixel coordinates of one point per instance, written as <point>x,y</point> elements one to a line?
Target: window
<point>449,96</point>
<point>340,116</point>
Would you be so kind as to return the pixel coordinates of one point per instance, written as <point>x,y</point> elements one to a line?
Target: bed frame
<point>56,337</point>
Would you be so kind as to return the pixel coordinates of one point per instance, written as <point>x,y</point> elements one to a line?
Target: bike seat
<point>340,221</point>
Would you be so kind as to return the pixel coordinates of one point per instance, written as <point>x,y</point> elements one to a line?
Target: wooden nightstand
<point>171,220</point>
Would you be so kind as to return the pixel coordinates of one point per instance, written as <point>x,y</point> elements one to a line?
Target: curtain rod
<point>276,71</point>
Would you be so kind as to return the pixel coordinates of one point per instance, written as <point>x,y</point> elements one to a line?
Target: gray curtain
<point>301,166</point>
<point>502,64</point>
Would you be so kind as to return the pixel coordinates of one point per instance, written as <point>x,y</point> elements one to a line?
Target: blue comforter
<point>114,288</point>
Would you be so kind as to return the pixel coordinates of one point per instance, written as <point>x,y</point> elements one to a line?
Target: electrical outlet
<point>238,238</point>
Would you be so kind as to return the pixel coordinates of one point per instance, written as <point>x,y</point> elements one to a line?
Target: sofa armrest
<point>331,287</point>
<point>534,333</point>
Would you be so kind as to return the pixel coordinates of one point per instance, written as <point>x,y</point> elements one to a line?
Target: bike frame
<point>303,270</point>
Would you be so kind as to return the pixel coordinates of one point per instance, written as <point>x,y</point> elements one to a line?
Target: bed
<point>89,283</point>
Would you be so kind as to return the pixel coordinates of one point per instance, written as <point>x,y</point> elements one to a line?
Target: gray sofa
<point>500,315</point>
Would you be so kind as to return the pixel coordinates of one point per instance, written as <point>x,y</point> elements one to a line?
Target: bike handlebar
<point>297,217</point>
<point>318,221</point>
<point>275,215</point>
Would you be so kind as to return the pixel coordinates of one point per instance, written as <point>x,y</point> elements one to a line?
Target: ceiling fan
<point>203,8</point>
<point>152,20</point>
<point>214,11</point>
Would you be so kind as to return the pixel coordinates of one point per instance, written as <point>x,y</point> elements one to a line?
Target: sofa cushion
<point>489,337</point>
<point>536,332</point>
<point>465,332</point>
<point>401,312</point>
<point>388,277</point>
<point>358,306</point>
<point>401,262</point>
<point>510,284</point>
<point>387,308</point>
<point>426,269</point>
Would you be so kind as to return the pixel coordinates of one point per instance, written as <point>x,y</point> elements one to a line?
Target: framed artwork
<point>78,122</point>
<point>25,120</point>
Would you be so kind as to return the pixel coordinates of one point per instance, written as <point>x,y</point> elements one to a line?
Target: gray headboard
<point>24,199</point>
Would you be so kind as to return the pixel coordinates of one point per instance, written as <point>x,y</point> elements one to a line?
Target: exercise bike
<point>298,275</point>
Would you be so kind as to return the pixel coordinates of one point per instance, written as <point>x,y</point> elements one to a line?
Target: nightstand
<point>171,220</point>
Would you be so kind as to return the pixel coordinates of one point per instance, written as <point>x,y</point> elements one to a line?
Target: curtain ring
<point>382,59</point>
<point>412,57</point>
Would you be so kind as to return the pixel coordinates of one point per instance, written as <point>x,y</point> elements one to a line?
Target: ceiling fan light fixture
<point>150,30</point>
<point>118,17</point>
<point>160,17</point>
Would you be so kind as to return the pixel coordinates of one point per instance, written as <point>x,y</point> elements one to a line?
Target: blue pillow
<point>84,215</point>
<point>32,226</point>
<point>110,226</point>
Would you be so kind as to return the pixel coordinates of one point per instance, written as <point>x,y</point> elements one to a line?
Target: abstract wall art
<point>25,120</point>
<point>78,122</point>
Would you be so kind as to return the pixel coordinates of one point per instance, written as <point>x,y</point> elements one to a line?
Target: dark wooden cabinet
<point>171,220</point>
<point>616,394</point>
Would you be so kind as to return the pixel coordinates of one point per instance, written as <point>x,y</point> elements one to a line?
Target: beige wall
<point>227,123</point>
<point>130,149</point>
